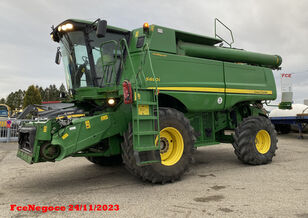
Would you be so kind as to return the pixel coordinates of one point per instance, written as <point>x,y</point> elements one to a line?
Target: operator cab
<point>90,58</point>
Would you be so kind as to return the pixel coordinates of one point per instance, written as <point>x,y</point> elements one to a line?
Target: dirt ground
<point>217,185</point>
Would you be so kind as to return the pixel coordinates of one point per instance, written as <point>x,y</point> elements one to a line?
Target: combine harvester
<point>149,97</point>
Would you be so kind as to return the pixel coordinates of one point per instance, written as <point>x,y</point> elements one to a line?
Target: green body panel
<point>82,133</point>
<point>214,87</point>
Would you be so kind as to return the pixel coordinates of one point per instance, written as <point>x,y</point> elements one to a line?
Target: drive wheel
<point>176,149</point>
<point>255,140</point>
<point>106,161</point>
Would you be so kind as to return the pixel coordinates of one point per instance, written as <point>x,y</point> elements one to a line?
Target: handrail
<point>130,59</point>
<point>217,36</point>
<point>146,46</point>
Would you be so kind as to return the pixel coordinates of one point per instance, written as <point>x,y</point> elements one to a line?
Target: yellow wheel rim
<point>171,146</point>
<point>263,141</point>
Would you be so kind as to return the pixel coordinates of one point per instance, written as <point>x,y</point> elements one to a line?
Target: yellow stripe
<point>158,54</point>
<point>210,89</point>
<point>190,89</point>
<point>248,91</point>
<point>73,115</point>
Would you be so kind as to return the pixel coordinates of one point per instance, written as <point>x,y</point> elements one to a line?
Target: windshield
<point>90,61</point>
<point>3,111</point>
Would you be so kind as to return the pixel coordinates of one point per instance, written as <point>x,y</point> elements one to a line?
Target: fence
<point>8,130</point>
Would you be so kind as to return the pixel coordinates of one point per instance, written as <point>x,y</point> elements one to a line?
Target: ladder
<point>145,114</point>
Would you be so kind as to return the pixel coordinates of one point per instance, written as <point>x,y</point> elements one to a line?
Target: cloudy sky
<point>268,26</point>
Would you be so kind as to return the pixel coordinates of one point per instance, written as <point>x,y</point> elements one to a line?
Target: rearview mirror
<point>101,28</point>
<point>58,56</point>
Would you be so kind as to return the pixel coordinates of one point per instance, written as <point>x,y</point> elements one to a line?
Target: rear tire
<point>255,140</point>
<point>106,161</point>
<point>174,125</point>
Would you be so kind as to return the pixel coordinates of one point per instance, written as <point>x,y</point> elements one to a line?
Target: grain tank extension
<point>149,97</point>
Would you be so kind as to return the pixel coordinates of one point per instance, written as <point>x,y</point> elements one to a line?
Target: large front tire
<point>255,140</point>
<point>177,146</point>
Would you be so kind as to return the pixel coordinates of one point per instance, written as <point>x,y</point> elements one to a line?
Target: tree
<point>2,101</point>
<point>15,99</point>
<point>62,89</point>
<point>32,96</point>
<point>42,93</point>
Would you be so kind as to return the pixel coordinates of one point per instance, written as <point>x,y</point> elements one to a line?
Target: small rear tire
<point>255,140</point>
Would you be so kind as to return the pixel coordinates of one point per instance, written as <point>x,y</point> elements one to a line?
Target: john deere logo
<point>219,100</point>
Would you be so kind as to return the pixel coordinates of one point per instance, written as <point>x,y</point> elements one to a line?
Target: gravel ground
<point>217,185</point>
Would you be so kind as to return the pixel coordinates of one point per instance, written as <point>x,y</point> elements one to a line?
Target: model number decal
<point>152,79</point>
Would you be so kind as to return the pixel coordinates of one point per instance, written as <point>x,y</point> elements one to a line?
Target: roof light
<point>63,27</point>
<point>69,26</point>
<point>145,25</point>
<point>59,28</point>
<point>146,28</point>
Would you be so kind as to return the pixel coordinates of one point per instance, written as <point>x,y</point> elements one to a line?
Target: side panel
<point>248,83</point>
<point>197,83</point>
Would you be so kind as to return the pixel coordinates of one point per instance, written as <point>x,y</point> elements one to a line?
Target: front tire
<point>177,146</point>
<point>255,140</point>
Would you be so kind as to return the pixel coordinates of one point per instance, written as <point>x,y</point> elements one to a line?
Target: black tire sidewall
<point>176,121</point>
<point>244,140</point>
<point>267,126</point>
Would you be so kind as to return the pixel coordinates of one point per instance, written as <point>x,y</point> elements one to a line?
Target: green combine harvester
<point>149,97</point>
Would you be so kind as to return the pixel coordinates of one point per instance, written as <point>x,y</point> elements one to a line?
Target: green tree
<point>62,89</point>
<point>10,100</point>
<point>19,98</point>
<point>52,93</point>
<point>15,99</point>
<point>32,96</point>
<point>2,101</point>
<point>42,93</point>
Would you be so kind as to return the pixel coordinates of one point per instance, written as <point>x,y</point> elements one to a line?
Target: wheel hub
<point>263,141</point>
<point>164,145</point>
<point>171,146</point>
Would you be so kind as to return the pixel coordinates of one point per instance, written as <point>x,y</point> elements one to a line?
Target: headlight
<point>69,26</point>
<point>65,27</point>
<point>111,101</point>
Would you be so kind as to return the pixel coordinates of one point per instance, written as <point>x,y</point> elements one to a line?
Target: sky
<point>273,27</point>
